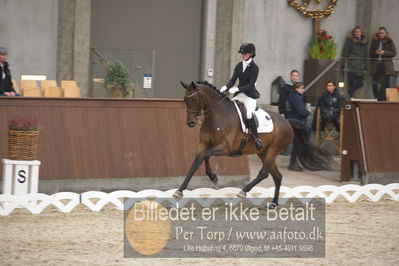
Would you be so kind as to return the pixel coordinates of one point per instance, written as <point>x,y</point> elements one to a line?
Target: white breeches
<point>249,103</point>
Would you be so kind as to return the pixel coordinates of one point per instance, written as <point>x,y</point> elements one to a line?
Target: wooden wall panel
<point>381,136</point>
<point>112,138</point>
<point>379,124</point>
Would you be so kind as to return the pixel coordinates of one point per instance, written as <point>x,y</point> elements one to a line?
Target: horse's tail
<point>311,157</point>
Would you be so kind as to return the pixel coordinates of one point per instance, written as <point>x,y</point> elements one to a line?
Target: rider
<point>247,73</point>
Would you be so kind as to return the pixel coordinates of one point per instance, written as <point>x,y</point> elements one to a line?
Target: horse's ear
<point>184,85</point>
<point>193,85</point>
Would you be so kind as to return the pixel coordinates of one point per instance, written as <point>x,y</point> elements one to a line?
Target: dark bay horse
<point>221,135</point>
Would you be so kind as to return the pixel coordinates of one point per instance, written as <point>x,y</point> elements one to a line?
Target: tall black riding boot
<point>252,126</point>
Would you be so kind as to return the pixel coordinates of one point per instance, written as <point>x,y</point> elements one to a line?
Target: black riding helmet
<point>247,48</point>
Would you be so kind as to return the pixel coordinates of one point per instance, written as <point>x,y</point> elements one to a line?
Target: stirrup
<point>258,144</point>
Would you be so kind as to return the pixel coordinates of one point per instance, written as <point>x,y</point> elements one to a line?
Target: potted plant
<point>117,81</point>
<point>322,46</point>
<point>23,138</point>
<point>322,52</point>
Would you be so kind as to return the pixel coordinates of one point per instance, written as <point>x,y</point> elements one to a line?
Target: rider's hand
<point>233,90</point>
<point>223,89</point>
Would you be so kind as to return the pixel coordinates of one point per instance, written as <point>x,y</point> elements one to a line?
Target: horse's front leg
<point>214,177</point>
<point>199,158</point>
<point>217,150</point>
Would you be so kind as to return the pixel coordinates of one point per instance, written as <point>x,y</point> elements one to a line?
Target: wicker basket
<point>22,145</point>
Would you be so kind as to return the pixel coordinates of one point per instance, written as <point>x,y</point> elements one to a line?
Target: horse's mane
<point>215,90</point>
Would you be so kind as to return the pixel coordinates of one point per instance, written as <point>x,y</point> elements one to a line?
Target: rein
<point>203,102</point>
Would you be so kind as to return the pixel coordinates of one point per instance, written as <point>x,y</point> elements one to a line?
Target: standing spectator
<point>355,48</point>
<point>382,49</point>
<point>286,90</point>
<point>330,103</point>
<point>6,87</point>
<point>296,109</point>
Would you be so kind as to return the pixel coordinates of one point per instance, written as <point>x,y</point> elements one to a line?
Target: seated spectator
<point>296,109</point>
<point>330,103</point>
<point>6,87</point>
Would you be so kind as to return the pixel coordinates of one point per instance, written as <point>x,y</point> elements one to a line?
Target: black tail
<point>311,157</point>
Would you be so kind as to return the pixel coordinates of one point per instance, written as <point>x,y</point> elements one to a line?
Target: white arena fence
<point>96,200</point>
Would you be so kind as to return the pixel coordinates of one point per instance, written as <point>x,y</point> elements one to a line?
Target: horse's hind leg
<point>213,176</point>
<point>277,177</point>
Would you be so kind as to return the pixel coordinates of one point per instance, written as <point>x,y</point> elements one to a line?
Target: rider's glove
<point>223,89</point>
<point>234,90</point>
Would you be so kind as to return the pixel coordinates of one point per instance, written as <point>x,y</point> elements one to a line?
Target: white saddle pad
<point>264,119</point>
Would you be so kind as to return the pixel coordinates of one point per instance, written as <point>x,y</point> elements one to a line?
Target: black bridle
<point>202,103</point>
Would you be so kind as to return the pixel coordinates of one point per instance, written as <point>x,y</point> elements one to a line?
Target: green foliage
<point>330,49</point>
<point>118,78</point>
<point>322,46</point>
<point>314,50</point>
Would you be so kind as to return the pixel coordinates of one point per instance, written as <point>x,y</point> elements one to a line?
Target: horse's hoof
<point>178,194</point>
<point>242,194</point>
<point>272,205</point>
<point>216,181</point>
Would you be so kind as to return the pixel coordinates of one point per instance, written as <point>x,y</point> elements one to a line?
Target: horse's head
<point>193,100</point>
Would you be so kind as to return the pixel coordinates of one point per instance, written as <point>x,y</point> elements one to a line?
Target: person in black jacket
<point>355,48</point>
<point>286,90</point>
<point>247,73</point>
<point>330,103</point>
<point>6,87</point>
<point>295,108</point>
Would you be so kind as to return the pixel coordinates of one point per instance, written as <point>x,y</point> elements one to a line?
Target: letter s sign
<point>22,177</point>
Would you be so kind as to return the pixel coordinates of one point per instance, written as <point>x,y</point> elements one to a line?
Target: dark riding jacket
<point>5,84</point>
<point>247,80</point>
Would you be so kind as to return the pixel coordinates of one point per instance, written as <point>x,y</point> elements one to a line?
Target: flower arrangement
<point>322,46</point>
<point>24,124</point>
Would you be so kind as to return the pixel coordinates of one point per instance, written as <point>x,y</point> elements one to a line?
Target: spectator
<point>330,103</point>
<point>382,49</point>
<point>286,90</point>
<point>355,48</point>
<point>6,87</point>
<point>296,109</point>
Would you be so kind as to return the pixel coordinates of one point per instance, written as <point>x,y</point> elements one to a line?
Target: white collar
<point>246,63</point>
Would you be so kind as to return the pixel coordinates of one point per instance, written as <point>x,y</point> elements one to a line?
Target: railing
<point>333,63</point>
<point>341,68</point>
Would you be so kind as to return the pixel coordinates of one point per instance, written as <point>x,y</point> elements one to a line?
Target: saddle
<point>263,122</point>
<point>245,138</point>
<point>243,111</point>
